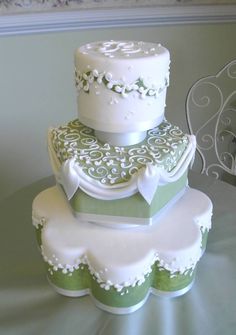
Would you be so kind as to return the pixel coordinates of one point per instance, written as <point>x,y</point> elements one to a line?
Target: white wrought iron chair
<point>211,116</point>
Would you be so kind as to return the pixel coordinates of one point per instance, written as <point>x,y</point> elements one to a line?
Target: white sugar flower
<point>88,161</point>
<point>85,76</point>
<point>110,85</point>
<point>129,88</point>
<point>141,89</point>
<point>110,162</point>
<point>151,92</point>
<point>91,79</point>
<point>118,89</point>
<point>81,84</point>
<point>119,149</point>
<point>95,73</point>
<point>108,76</point>
<point>86,87</point>
<point>135,87</point>
<point>99,79</point>
<point>123,93</point>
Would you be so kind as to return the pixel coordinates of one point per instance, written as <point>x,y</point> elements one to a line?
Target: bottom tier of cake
<point>119,268</point>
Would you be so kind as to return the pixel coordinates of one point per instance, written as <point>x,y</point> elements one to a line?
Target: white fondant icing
<point>145,181</point>
<point>131,78</point>
<point>127,255</point>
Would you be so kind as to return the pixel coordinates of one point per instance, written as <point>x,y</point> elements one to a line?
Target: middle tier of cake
<point>114,185</point>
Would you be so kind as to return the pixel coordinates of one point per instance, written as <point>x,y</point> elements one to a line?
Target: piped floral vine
<point>84,80</point>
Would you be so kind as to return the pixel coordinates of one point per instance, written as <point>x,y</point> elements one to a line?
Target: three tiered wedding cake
<point>121,221</point>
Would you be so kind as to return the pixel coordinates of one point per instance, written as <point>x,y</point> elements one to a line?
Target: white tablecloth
<point>28,305</point>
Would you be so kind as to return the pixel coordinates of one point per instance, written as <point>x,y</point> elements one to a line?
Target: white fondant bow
<point>148,181</point>
<point>69,178</point>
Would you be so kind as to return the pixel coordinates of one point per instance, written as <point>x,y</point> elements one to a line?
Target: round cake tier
<point>121,88</point>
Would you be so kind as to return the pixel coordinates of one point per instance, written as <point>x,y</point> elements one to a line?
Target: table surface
<point>28,305</point>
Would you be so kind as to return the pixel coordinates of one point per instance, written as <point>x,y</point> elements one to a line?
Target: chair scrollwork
<point>211,116</point>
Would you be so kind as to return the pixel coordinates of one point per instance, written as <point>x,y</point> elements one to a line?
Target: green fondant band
<point>204,238</point>
<point>39,235</point>
<point>82,280</point>
<point>134,206</point>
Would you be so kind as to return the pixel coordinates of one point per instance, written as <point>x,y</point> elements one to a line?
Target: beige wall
<point>37,85</point>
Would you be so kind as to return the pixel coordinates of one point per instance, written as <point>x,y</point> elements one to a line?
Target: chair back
<point>211,117</point>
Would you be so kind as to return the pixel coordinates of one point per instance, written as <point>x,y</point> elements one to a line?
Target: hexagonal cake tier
<point>114,185</point>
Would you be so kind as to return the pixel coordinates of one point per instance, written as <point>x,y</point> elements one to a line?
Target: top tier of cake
<point>121,88</point>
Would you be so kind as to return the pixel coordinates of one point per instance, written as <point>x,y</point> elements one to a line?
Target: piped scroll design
<point>211,116</point>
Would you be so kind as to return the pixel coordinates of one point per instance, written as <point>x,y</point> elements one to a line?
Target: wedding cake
<point>121,221</point>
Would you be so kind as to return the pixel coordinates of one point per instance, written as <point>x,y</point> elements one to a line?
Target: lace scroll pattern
<point>163,146</point>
